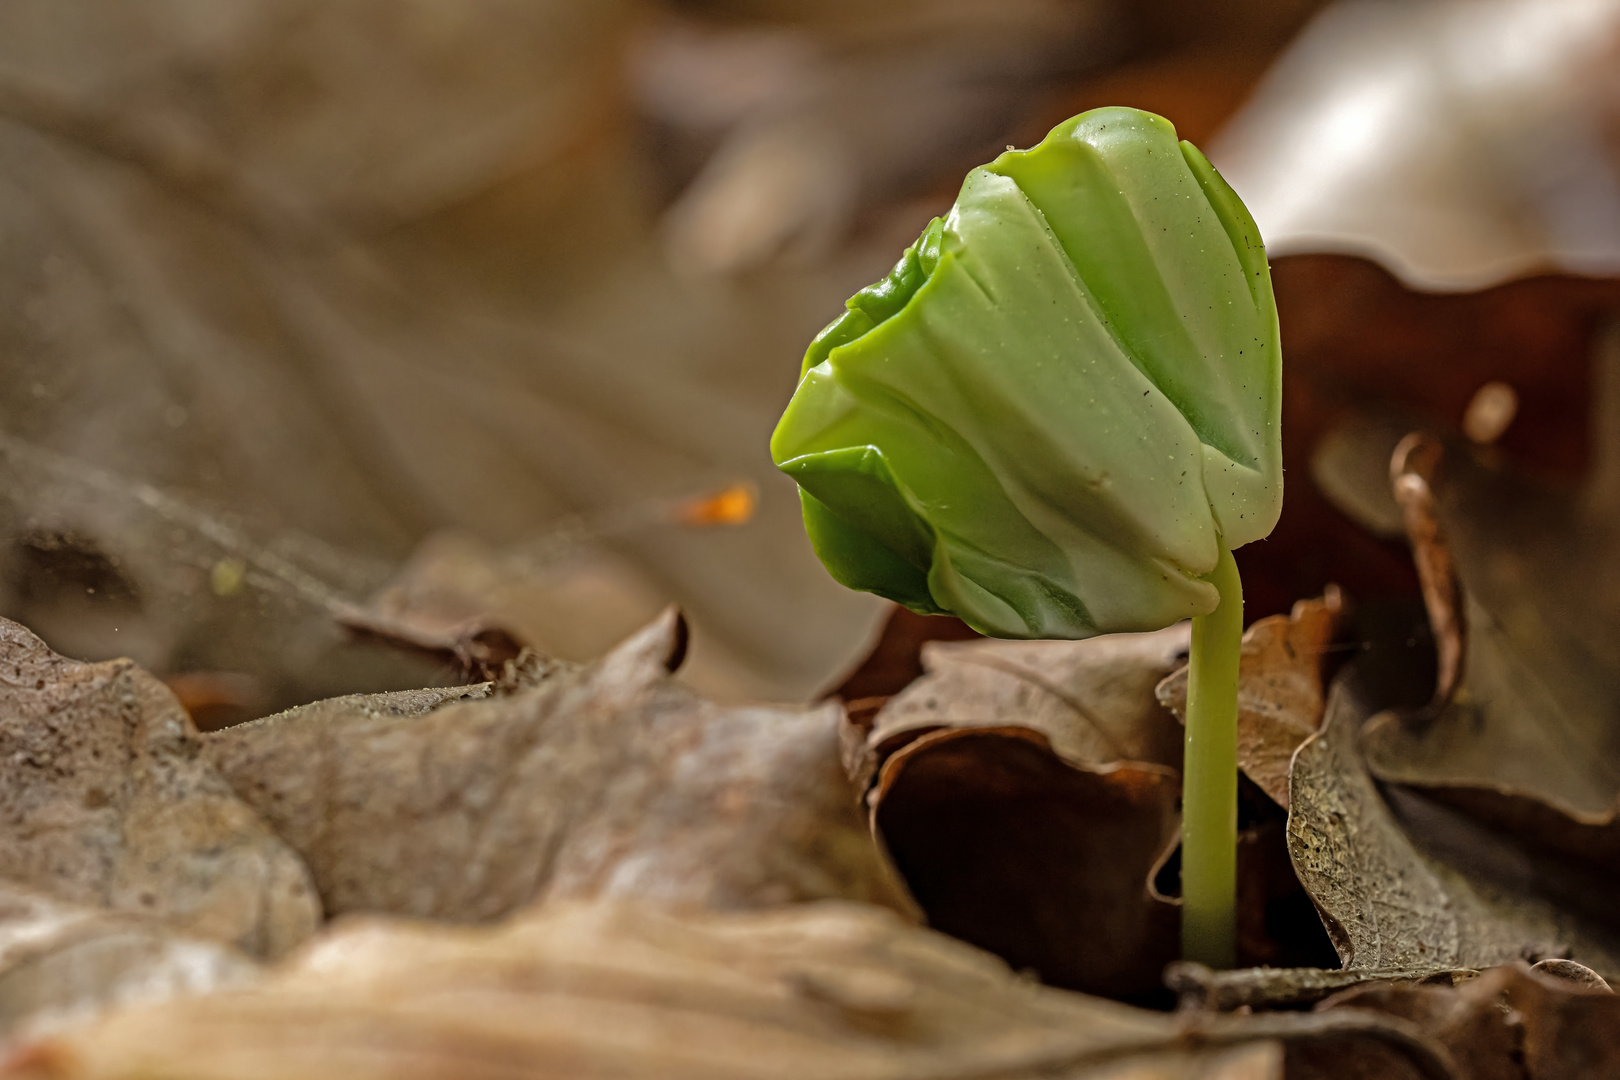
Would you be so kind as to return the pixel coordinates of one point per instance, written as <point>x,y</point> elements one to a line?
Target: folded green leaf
<point>1062,396</point>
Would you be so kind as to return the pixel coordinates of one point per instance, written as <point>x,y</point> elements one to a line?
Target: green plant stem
<point>1209,791</point>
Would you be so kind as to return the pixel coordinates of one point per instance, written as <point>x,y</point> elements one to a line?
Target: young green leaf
<point>1062,402</point>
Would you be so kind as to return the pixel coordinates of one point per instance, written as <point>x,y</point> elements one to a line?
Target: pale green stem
<point>1209,790</point>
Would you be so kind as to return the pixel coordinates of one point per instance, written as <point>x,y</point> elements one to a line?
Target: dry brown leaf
<point>1279,690</point>
<point>1511,1023</point>
<point>1042,859</point>
<point>1534,712</point>
<point>1523,595</point>
<point>62,963</point>
<point>1407,883</point>
<point>105,801</point>
<point>815,991</point>
<point>600,781</point>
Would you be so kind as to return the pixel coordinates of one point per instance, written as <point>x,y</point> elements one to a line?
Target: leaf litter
<point>642,767</point>
<point>819,990</point>
<point>1027,792</point>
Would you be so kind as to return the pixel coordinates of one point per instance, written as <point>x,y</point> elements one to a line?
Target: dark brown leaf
<point>1028,789</point>
<point>1042,859</point>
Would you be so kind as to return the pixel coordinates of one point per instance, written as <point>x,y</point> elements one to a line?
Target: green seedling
<point>1057,417</point>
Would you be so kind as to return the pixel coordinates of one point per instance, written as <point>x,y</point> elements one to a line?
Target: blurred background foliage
<point>436,315</point>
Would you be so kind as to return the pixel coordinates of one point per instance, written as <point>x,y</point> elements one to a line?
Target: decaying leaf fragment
<point>1409,884</point>
<point>809,991</point>
<point>1279,690</point>
<point>1510,1023</point>
<point>105,801</point>
<point>608,780</point>
<point>62,963</point>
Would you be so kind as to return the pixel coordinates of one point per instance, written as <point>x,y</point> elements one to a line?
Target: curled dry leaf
<point>1279,689</point>
<point>1412,884</point>
<point>606,780</point>
<point>1511,1023</point>
<point>1411,474</point>
<point>61,963</point>
<point>106,801</point>
<point>812,991</point>
<point>1028,791</point>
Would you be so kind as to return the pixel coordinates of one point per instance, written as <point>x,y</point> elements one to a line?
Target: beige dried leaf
<point>1279,690</point>
<point>610,780</point>
<point>106,801</point>
<point>63,963</point>
<point>828,991</point>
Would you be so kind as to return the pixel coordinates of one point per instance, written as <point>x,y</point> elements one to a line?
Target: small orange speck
<point>733,506</point>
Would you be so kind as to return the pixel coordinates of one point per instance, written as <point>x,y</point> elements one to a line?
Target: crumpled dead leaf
<point>1027,790</point>
<point>105,801</point>
<point>825,990</point>
<point>1511,1023</point>
<point>1279,690</point>
<point>1410,884</point>
<point>62,963</point>
<point>608,780</point>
